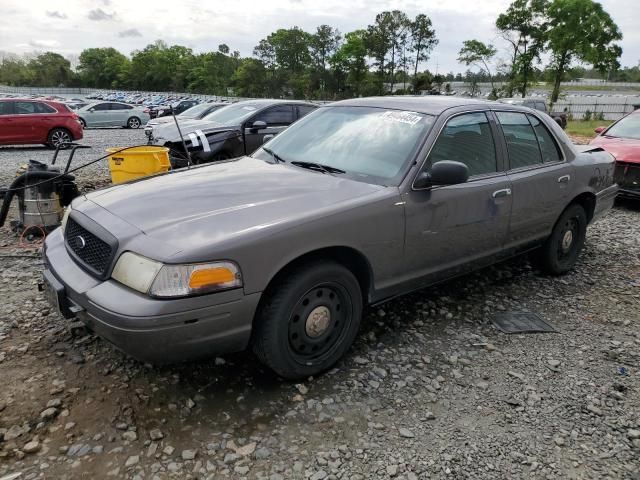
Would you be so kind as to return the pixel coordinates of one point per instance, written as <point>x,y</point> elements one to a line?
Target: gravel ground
<point>430,389</point>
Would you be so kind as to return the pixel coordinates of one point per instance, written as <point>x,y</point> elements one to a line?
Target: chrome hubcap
<point>134,123</point>
<point>318,321</point>
<point>60,138</point>
<point>567,240</point>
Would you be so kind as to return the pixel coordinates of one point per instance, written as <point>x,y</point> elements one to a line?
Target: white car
<point>112,114</point>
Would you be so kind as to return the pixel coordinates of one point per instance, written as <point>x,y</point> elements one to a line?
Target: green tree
<point>476,53</point>
<point>423,40</point>
<point>250,79</point>
<point>323,44</point>
<point>580,30</point>
<point>523,25</point>
<point>350,62</point>
<point>51,69</point>
<point>103,68</point>
<point>160,67</point>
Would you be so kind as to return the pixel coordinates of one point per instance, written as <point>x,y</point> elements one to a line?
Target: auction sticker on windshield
<point>410,118</point>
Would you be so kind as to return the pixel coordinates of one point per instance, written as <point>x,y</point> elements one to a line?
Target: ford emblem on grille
<point>80,242</point>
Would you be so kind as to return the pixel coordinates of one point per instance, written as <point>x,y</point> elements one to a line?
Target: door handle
<point>505,192</point>
<point>564,179</point>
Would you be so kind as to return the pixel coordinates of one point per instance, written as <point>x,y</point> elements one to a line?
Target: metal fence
<point>608,107</point>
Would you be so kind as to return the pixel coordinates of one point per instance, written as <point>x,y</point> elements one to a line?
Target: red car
<point>27,121</point>
<point>622,140</point>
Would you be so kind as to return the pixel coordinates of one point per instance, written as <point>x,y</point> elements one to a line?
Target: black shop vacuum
<point>42,191</point>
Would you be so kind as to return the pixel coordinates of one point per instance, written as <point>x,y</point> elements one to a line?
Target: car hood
<point>220,202</point>
<point>169,132</point>
<point>623,149</point>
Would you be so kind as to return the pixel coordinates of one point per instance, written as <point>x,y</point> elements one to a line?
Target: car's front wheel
<point>308,320</point>
<point>560,251</point>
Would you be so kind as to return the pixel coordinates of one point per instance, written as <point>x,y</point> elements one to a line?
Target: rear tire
<point>134,122</point>
<point>308,320</point>
<point>560,251</point>
<point>59,136</point>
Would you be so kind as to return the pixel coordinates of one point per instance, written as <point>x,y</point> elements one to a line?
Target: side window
<point>468,139</point>
<point>305,109</point>
<point>24,108</point>
<point>44,108</point>
<point>117,106</point>
<point>6,108</point>
<point>281,115</point>
<point>548,147</point>
<point>522,142</point>
<point>541,106</point>
<point>101,107</point>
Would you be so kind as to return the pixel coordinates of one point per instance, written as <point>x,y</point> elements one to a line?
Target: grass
<point>585,128</point>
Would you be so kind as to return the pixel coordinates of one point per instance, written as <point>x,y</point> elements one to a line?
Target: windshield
<point>372,144</point>
<point>232,114</point>
<point>628,127</point>
<point>195,111</point>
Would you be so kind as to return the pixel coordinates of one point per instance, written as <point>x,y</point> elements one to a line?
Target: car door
<point>451,228</point>
<point>277,118</point>
<point>98,115</point>
<point>540,176</point>
<point>118,115</point>
<point>25,122</point>
<point>7,123</point>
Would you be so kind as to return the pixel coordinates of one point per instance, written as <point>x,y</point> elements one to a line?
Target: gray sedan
<point>112,114</point>
<point>354,204</point>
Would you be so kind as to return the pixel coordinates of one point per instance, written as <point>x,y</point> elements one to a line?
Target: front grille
<point>94,253</point>
<point>627,175</point>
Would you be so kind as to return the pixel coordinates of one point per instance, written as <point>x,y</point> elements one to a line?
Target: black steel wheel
<point>59,137</point>
<point>560,252</point>
<point>308,320</point>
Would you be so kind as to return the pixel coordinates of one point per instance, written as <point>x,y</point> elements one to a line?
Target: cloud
<point>132,32</point>
<point>98,14</point>
<point>44,43</point>
<point>56,14</point>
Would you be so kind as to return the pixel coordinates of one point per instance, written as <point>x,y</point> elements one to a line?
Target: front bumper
<point>156,331</point>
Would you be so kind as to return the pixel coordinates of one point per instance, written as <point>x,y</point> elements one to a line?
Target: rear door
<point>26,122</point>
<point>119,114</point>
<point>7,123</point>
<point>540,176</point>
<point>450,227</point>
<point>277,118</point>
<point>100,116</point>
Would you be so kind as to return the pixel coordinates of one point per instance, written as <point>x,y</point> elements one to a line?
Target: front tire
<point>134,122</point>
<point>308,320</point>
<point>83,123</point>
<point>560,251</point>
<point>59,137</point>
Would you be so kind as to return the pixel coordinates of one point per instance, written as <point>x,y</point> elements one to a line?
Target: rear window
<point>44,108</point>
<point>5,108</point>
<point>522,142</point>
<point>548,147</point>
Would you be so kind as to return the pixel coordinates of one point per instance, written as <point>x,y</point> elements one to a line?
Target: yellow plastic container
<point>137,162</point>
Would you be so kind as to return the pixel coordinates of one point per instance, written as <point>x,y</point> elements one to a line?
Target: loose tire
<point>560,251</point>
<point>59,136</point>
<point>134,122</point>
<point>308,320</point>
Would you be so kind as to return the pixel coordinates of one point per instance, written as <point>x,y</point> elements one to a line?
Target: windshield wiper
<point>318,167</point>
<point>275,156</point>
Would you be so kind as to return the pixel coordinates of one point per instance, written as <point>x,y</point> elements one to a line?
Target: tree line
<point>384,57</point>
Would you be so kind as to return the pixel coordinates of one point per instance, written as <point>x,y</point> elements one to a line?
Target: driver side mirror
<point>444,172</point>
<point>258,125</point>
<point>599,130</point>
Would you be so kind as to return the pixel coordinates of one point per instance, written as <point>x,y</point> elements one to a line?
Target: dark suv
<point>229,132</point>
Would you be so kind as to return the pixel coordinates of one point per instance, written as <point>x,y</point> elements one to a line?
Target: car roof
<point>270,101</point>
<point>429,104</point>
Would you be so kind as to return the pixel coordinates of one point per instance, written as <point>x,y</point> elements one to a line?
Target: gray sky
<point>70,26</point>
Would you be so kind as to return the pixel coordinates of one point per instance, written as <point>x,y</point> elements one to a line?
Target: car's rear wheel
<point>59,137</point>
<point>308,320</point>
<point>134,122</point>
<point>560,251</point>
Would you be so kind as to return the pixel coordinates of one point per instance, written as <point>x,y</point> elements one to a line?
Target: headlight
<point>159,280</point>
<point>65,217</point>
